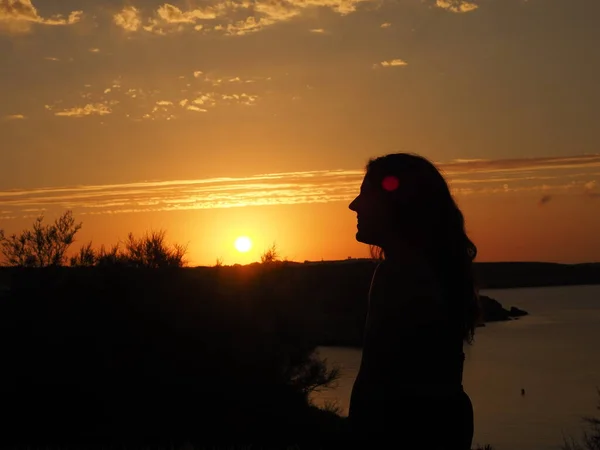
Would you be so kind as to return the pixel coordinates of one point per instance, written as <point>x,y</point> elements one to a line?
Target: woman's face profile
<point>370,214</point>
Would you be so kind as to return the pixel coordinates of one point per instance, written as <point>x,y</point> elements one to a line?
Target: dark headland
<point>336,291</point>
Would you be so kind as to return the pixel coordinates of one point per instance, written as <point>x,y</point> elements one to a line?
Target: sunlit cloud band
<point>546,176</point>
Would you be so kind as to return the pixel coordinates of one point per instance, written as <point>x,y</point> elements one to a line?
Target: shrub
<point>270,255</point>
<point>150,251</point>
<point>43,245</point>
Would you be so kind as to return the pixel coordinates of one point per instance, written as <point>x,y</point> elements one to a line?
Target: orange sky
<point>219,118</point>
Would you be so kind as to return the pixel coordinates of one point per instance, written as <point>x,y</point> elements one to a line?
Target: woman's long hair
<point>424,214</point>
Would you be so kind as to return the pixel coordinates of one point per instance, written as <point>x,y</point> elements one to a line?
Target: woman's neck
<point>401,251</point>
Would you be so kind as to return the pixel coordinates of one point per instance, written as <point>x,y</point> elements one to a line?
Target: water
<point>552,354</point>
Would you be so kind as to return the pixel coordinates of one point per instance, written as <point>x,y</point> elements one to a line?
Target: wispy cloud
<point>540,176</point>
<point>94,50</point>
<point>172,14</point>
<point>19,16</point>
<point>489,166</point>
<point>51,58</point>
<point>200,94</point>
<point>393,63</point>
<point>14,117</point>
<point>195,108</point>
<point>91,109</point>
<point>233,17</point>
<point>317,30</point>
<point>456,6</point>
<point>386,25</point>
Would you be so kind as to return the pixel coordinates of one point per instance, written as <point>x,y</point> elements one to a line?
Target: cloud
<point>386,25</point>
<point>167,18</point>
<point>456,6</point>
<point>19,16</point>
<point>243,98</point>
<point>91,109</point>
<point>262,189</point>
<point>172,14</point>
<point>249,25</point>
<point>148,103</point>
<point>14,117</point>
<point>321,186</point>
<point>487,166</point>
<point>128,18</point>
<point>94,50</point>
<point>208,99</point>
<point>342,7</point>
<point>51,58</point>
<point>194,108</point>
<point>269,12</point>
<point>317,30</point>
<point>233,17</point>
<point>393,63</point>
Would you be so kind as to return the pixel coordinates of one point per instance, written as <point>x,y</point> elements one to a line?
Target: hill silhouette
<point>504,275</point>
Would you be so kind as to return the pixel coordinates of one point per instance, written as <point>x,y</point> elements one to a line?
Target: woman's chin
<point>363,237</point>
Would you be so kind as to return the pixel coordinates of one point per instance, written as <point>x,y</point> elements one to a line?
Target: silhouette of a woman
<point>423,306</point>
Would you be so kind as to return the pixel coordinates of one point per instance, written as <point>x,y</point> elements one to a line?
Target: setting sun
<point>243,244</point>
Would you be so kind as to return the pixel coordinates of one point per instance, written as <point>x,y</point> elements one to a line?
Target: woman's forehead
<point>389,183</point>
<point>366,184</point>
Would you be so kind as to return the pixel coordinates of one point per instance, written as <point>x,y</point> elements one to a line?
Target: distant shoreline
<point>489,275</point>
<point>538,286</point>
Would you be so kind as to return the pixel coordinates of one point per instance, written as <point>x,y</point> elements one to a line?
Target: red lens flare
<point>390,183</point>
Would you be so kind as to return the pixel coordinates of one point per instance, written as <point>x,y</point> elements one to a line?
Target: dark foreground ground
<point>206,355</point>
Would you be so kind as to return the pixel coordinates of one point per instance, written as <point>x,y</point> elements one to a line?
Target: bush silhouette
<point>47,246</point>
<point>270,255</point>
<point>43,245</point>
<point>149,251</point>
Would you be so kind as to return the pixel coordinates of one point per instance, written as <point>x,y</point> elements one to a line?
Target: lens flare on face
<point>390,183</point>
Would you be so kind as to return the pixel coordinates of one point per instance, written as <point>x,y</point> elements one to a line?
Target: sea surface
<point>554,354</point>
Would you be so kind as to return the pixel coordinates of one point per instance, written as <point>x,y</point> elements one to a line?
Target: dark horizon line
<point>356,259</point>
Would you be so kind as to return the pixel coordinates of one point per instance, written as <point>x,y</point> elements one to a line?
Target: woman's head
<point>405,203</point>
